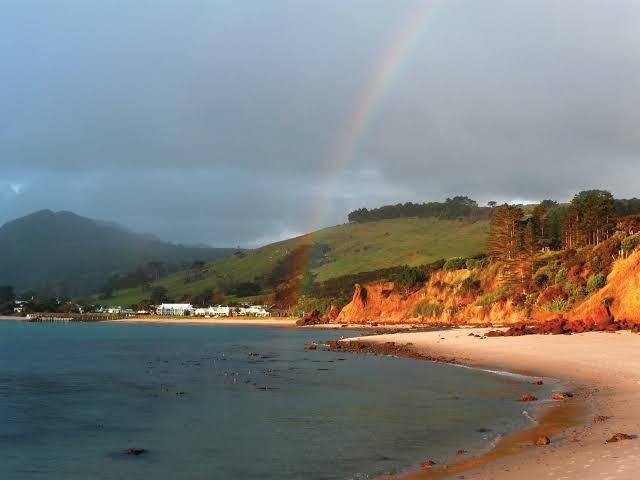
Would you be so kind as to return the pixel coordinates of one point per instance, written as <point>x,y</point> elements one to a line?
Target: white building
<point>19,306</point>
<point>176,309</point>
<point>254,311</point>
<point>218,311</point>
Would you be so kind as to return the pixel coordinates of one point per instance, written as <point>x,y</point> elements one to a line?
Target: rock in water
<point>561,395</point>
<point>543,440</point>
<point>428,464</point>
<point>528,398</point>
<point>136,452</point>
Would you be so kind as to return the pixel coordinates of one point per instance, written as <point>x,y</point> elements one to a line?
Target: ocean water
<point>226,402</point>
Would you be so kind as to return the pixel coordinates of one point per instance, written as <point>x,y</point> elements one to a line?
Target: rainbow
<point>385,72</point>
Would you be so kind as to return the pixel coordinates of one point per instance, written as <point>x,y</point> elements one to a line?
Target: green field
<point>352,248</point>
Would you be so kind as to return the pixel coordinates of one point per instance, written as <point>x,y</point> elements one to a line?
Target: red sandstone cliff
<point>443,299</point>
<point>622,290</point>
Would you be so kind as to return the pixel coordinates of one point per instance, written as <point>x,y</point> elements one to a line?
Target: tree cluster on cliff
<point>515,238</point>
<point>459,207</point>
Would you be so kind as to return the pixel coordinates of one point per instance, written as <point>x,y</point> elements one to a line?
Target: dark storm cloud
<point>217,121</point>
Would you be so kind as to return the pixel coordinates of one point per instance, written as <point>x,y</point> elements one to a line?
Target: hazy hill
<point>330,253</point>
<point>67,254</point>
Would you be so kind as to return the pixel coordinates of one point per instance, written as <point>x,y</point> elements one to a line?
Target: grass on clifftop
<point>350,248</point>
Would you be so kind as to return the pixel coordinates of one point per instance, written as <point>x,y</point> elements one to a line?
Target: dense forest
<point>463,207</point>
<point>589,231</point>
<point>451,209</point>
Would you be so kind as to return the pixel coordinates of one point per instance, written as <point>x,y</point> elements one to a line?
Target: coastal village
<point>188,310</point>
<point>21,307</point>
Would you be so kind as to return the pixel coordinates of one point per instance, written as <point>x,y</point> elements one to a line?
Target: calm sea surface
<point>223,402</point>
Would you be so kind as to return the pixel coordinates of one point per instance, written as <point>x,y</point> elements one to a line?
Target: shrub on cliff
<point>541,280</point>
<point>469,286</point>
<point>455,263</point>
<point>600,259</point>
<point>629,244</point>
<point>492,297</point>
<point>559,305</point>
<point>428,309</point>
<point>561,275</point>
<point>595,282</point>
<point>410,277</point>
<point>550,294</point>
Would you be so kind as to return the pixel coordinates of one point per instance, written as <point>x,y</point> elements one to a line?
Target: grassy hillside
<point>343,250</point>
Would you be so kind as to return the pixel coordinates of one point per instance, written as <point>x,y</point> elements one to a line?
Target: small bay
<point>230,402</point>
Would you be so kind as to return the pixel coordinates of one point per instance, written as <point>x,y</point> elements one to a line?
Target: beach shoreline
<point>284,322</point>
<point>602,369</point>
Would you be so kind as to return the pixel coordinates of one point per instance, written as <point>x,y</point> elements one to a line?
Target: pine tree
<point>505,239</point>
<point>523,266</point>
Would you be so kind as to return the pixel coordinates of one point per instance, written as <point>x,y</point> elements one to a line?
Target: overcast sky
<point>219,122</point>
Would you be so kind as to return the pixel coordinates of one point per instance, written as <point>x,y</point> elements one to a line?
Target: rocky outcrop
<point>315,318</point>
<point>311,318</point>
<point>388,348</point>
<point>621,294</point>
<point>562,326</point>
<point>356,310</point>
<point>619,437</point>
<point>333,314</point>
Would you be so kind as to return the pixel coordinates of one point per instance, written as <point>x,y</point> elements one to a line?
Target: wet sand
<point>606,365</point>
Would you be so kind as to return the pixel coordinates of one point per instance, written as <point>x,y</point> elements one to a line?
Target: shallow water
<point>225,402</point>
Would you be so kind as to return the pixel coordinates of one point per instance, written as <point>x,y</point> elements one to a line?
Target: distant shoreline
<point>265,322</point>
<point>604,371</point>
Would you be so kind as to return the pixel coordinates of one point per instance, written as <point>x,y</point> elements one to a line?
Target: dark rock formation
<point>562,326</point>
<point>619,437</point>
<point>388,348</point>
<point>311,318</point>
<point>136,452</point>
<point>332,315</point>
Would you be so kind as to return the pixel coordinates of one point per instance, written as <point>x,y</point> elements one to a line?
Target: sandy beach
<point>604,368</point>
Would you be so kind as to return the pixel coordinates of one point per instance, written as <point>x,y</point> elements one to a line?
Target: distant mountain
<point>66,254</point>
